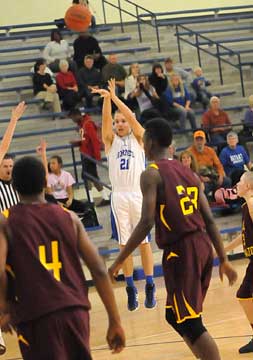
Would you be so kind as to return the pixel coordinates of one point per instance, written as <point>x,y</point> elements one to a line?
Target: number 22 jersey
<point>126,160</point>
<point>177,207</point>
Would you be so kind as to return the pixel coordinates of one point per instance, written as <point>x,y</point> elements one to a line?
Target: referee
<point>8,196</point>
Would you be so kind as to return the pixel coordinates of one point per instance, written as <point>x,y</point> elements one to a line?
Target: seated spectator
<point>114,70</point>
<point>248,116</point>
<point>58,49</point>
<point>44,88</point>
<point>85,45</point>
<point>188,160</point>
<point>90,145</point>
<point>216,122</point>
<point>210,168</point>
<point>179,101</point>
<point>172,150</point>
<point>158,79</point>
<point>200,84</point>
<point>59,184</point>
<point>131,84</point>
<point>67,86</point>
<point>88,77</point>
<point>234,158</point>
<point>171,69</point>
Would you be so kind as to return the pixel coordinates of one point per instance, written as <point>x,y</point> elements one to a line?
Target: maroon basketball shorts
<point>61,335</point>
<point>245,291</point>
<point>187,268</point>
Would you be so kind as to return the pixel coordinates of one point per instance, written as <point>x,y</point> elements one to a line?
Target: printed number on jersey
<point>124,164</point>
<point>54,266</point>
<point>188,198</point>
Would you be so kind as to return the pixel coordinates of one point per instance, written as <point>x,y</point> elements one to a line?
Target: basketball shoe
<point>2,345</point>
<point>247,348</point>
<point>132,295</point>
<point>150,301</point>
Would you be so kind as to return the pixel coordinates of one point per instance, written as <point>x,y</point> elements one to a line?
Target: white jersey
<point>126,160</point>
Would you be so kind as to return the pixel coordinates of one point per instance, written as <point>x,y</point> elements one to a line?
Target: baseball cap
<point>199,133</point>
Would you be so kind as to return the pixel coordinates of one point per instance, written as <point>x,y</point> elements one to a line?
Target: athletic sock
<point>149,280</point>
<point>129,281</point>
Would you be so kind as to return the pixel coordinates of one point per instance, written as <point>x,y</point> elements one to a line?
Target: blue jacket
<point>233,159</point>
<point>176,96</point>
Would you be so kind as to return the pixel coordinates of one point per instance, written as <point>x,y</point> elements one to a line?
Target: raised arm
<point>15,116</point>
<point>42,151</point>
<point>136,127</point>
<point>115,333</point>
<point>107,130</point>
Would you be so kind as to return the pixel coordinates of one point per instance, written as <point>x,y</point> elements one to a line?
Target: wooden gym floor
<point>148,335</point>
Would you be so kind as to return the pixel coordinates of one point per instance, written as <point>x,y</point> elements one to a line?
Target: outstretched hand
<point>102,92</point>
<point>18,111</point>
<point>112,87</point>
<point>228,270</point>
<point>42,147</point>
<point>116,338</point>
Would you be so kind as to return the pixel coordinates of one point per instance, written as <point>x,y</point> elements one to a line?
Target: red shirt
<point>213,123</point>
<point>65,80</point>
<point>91,143</point>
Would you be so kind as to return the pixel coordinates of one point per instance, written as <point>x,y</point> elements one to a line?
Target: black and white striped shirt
<point>8,196</point>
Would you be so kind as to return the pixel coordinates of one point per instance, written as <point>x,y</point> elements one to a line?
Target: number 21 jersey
<point>126,160</point>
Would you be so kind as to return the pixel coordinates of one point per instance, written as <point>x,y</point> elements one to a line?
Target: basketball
<point>78,17</point>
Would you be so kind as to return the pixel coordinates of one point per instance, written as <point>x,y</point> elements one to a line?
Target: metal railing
<point>219,49</point>
<point>138,16</point>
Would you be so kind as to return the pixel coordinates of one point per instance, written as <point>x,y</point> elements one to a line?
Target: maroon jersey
<point>44,261</point>
<point>177,210</point>
<point>247,232</point>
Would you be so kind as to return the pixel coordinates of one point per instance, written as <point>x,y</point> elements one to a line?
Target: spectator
<point>88,77</point>
<point>188,160</point>
<point>216,122</point>
<point>186,77</point>
<point>200,84</point>
<point>234,158</point>
<point>248,116</point>
<point>114,70</point>
<point>158,79</point>
<point>90,145</point>
<point>44,88</point>
<point>8,195</point>
<point>59,184</point>
<point>179,101</point>
<point>67,86</point>
<point>57,49</point>
<point>210,168</point>
<point>172,151</point>
<point>85,45</point>
<point>131,85</point>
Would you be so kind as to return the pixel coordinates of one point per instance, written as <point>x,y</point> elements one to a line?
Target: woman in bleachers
<point>179,102</point>
<point>248,116</point>
<point>131,84</point>
<point>67,86</point>
<point>44,88</point>
<point>158,79</point>
<point>58,49</point>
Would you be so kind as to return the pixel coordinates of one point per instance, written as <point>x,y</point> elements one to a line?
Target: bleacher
<point>20,46</point>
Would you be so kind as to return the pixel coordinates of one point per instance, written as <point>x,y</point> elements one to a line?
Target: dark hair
<point>156,66</point>
<point>168,60</point>
<point>29,176</point>
<point>53,32</point>
<point>159,131</point>
<point>58,158</point>
<point>8,157</point>
<point>74,112</point>
<point>38,63</point>
<point>87,57</point>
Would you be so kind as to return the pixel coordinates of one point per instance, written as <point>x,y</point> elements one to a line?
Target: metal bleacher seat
<point>15,102</point>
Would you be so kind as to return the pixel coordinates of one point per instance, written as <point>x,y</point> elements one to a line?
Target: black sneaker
<point>132,295</point>
<point>247,348</point>
<point>150,301</point>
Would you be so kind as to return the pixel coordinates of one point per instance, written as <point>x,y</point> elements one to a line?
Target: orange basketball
<point>78,17</point>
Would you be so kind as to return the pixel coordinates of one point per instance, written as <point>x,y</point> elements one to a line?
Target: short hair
<point>159,131</point>
<point>58,158</point>
<point>74,112</point>
<point>232,134</point>
<point>8,156</point>
<point>89,57</point>
<point>168,60</point>
<point>63,62</point>
<point>248,176</point>
<point>29,176</point>
<point>156,66</point>
<point>214,98</point>
<point>38,63</point>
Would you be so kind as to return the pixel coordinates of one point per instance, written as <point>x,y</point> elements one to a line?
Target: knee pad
<point>192,329</point>
<point>171,319</point>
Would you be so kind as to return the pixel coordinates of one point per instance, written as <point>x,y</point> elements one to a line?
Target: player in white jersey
<point>124,149</point>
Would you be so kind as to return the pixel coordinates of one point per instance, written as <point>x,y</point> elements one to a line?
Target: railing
<point>197,44</point>
<point>137,16</point>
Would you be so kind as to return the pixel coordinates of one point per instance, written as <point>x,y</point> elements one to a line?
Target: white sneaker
<point>2,345</point>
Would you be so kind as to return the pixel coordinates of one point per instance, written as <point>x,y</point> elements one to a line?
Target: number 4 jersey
<point>126,160</point>
<point>43,261</point>
<point>177,211</point>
